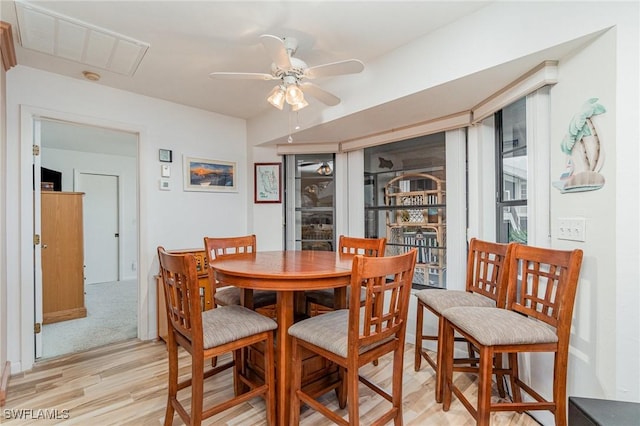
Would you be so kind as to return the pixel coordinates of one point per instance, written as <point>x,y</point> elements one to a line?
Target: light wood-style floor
<point>125,384</point>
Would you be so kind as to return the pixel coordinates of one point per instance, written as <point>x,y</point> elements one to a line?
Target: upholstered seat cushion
<point>440,300</point>
<point>229,323</point>
<point>495,326</point>
<point>231,296</point>
<point>328,331</point>
<point>325,297</point>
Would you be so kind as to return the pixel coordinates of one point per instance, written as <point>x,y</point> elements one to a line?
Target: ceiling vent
<point>64,37</point>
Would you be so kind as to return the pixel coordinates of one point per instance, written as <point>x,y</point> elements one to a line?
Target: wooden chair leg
<point>270,379</point>
<point>341,390</point>
<point>560,389</point>
<point>485,374</point>
<point>173,381</point>
<point>513,375</point>
<point>238,386</point>
<point>294,415</point>
<point>197,389</point>
<point>497,364</point>
<point>447,363</point>
<point>418,346</point>
<point>396,387</point>
<point>440,355</point>
<point>352,394</point>
<point>472,354</point>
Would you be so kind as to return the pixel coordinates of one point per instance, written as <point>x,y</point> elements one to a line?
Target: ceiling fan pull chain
<point>290,138</point>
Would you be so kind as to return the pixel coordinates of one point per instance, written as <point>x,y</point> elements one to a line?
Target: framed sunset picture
<point>209,175</point>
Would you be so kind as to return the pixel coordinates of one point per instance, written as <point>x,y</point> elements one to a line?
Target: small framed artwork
<point>201,174</point>
<point>267,183</point>
<point>165,155</point>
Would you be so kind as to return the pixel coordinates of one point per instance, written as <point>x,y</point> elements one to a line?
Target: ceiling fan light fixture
<point>294,95</point>
<point>299,105</point>
<point>324,169</point>
<point>277,97</point>
<point>291,71</point>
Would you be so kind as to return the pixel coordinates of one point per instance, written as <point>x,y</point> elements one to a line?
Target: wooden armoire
<point>62,256</point>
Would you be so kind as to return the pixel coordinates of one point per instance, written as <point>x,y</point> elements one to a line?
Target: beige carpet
<point>112,316</point>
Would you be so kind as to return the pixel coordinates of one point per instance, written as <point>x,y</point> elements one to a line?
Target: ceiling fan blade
<point>241,76</point>
<point>350,66</point>
<point>277,51</point>
<point>320,94</point>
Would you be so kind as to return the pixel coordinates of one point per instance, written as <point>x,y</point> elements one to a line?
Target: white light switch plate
<point>165,170</point>
<point>572,228</point>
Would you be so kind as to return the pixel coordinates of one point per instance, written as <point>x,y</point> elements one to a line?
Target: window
<point>405,188</point>
<point>511,168</point>
<point>314,201</point>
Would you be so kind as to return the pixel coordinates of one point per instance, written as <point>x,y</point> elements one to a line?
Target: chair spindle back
<point>384,279</point>
<point>543,283</point>
<point>182,293</point>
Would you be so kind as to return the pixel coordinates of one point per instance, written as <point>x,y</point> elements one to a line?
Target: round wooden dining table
<point>285,272</point>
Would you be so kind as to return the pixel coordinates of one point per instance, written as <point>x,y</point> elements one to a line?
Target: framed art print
<point>267,183</point>
<point>209,175</point>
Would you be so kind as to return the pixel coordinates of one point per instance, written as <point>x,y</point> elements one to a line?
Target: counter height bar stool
<point>208,334</point>
<point>356,336</point>
<point>225,295</point>
<point>541,293</point>
<point>349,245</point>
<point>486,286</point>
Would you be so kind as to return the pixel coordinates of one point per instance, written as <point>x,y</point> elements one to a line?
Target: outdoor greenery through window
<point>511,139</point>
<point>405,202</point>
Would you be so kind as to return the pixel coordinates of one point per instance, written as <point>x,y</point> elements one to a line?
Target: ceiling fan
<point>292,73</point>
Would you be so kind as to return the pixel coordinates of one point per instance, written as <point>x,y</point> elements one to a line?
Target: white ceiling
<point>189,39</point>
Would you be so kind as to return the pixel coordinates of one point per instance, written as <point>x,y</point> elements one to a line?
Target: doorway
<point>102,164</point>
<point>101,228</point>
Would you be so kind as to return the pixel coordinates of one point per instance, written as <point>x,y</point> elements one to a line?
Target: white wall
<point>67,161</point>
<point>603,289</point>
<point>266,220</point>
<point>175,219</point>
<point>605,350</point>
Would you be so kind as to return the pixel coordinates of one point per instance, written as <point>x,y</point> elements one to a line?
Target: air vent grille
<point>65,37</point>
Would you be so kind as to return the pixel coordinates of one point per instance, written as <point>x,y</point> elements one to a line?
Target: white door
<point>101,230</point>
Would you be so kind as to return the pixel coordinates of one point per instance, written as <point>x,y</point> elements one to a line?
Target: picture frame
<point>165,155</point>
<point>204,175</point>
<point>267,179</point>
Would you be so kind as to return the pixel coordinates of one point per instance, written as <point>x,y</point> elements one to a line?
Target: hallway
<point>111,317</point>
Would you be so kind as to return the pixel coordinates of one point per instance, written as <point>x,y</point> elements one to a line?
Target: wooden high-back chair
<point>541,293</point>
<point>209,334</point>
<point>486,286</point>
<point>373,247</point>
<point>356,336</point>
<point>224,295</point>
